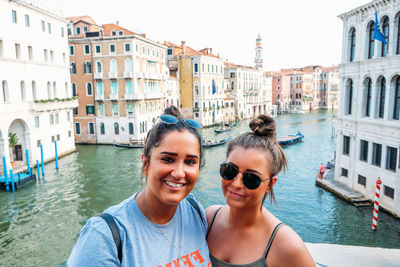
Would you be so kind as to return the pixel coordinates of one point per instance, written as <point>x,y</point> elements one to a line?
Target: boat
<point>222,129</point>
<point>216,143</point>
<point>133,144</point>
<point>291,139</point>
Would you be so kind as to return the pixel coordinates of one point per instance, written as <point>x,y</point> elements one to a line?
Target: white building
<point>368,125</point>
<point>35,96</point>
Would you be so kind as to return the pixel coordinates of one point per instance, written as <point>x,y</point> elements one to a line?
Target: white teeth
<point>173,184</point>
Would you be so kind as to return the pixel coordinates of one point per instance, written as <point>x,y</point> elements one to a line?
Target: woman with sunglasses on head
<point>161,225</point>
<point>244,232</point>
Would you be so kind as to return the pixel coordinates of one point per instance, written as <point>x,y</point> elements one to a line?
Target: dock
<point>350,195</point>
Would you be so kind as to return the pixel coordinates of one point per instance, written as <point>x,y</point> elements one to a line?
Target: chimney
<point>210,50</point>
<point>117,22</point>
<point>183,47</point>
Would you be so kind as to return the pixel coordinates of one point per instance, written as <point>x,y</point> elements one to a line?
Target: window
<point>69,133</point>
<point>382,89</point>
<point>85,28</point>
<point>344,172</point>
<point>62,32</point>
<point>113,66</point>
<point>49,27</point>
<point>89,110</point>
<point>51,119</point>
<point>115,109</point>
<point>376,154</point>
<point>169,51</point>
<point>89,89</point>
<point>73,68</point>
<point>4,86</point>
<point>396,107</point>
<point>78,30</point>
<point>346,145</point>
<point>130,109</point>
<point>388,191</point>
<point>75,111</point>
<point>14,16</point>
<point>385,31</point>
<point>74,89</point>
<point>196,67</point>
<point>352,43</point>
<point>23,93</point>
<point>71,50</point>
<point>114,88</point>
<point>53,138</point>
<point>112,48</point>
<point>121,32</point>
<point>1,48</point>
<point>131,128</point>
<point>77,128</point>
<point>391,158</point>
<point>371,40</point>
<point>367,97</point>
<point>88,67</point>
<point>102,128</point>
<point>99,88</point>
<point>362,180</point>
<point>129,87</point>
<point>37,122</point>
<point>101,109</point>
<point>98,66</point>
<point>57,118</point>
<point>45,55</point>
<point>127,47</point>
<point>363,150</point>
<point>52,56</point>
<point>42,24</point>
<point>98,49</point>
<point>86,49</point>
<point>17,51</point>
<point>116,128</point>
<point>128,65</point>
<point>91,127</point>
<point>68,116</point>
<point>349,96</point>
<point>113,33</point>
<point>34,95</point>
<point>27,21</point>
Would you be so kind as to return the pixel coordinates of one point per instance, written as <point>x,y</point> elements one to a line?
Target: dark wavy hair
<point>263,138</point>
<point>157,133</point>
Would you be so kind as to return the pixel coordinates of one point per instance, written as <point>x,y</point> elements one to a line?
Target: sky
<point>294,33</point>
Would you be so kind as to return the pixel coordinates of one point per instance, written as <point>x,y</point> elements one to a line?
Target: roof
<point>108,28</point>
<point>85,18</point>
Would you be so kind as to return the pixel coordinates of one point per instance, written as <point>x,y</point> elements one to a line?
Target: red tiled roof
<point>108,28</point>
<point>86,19</point>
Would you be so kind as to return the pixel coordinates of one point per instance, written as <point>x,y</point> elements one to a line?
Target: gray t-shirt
<point>144,243</point>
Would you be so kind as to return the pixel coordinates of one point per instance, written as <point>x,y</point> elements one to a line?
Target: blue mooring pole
<point>5,172</point>
<point>38,169</point>
<point>28,164</point>
<point>41,156</point>
<point>55,148</point>
<point>12,180</point>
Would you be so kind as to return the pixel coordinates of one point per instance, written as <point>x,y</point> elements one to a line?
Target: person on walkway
<point>244,232</point>
<point>322,168</point>
<point>161,225</point>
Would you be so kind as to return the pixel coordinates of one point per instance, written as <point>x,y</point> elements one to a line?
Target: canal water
<point>40,223</point>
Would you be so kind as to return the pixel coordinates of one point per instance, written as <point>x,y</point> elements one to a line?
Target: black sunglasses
<point>169,119</point>
<point>229,171</point>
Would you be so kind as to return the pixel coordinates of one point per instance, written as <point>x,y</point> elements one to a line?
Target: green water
<point>40,223</point>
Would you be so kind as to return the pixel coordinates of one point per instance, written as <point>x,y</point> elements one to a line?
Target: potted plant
<point>12,141</point>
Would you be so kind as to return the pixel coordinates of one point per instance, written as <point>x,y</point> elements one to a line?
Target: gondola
<point>290,139</point>
<point>223,129</point>
<point>218,143</point>
<point>133,145</point>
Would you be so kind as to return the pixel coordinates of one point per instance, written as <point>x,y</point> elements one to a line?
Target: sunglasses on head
<point>229,171</point>
<point>169,119</point>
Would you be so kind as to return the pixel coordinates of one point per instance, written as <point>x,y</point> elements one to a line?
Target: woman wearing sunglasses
<point>161,225</point>
<point>244,232</point>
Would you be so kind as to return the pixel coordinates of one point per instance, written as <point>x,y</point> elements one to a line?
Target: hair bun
<point>172,110</point>
<point>263,125</point>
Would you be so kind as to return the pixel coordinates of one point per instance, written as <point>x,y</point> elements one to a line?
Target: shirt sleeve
<point>94,247</point>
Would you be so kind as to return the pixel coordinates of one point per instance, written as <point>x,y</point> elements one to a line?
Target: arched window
<point>385,31</point>
<point>371,40</point>
<point>381,104</point>
<point>74,89</point>
<point>128,65</point>
<point>349,97</point>
<point>73,68</point>
<point>367,97</point>
<point>4,86</point>
<point>34,93</point>
<point>113,66</point>
<point>55,94</point>
<point>396,108</point>
<point>116,128</point>
<point>398,35</point>
<point>88,67</point>
<point>102,129</point>
<point>89,89</point>
<point>23,93</point>
<point>130,128</point>
<point>352,44</point>
<point>98,66</point>
<point>49,95</point>
<point>66,89</point>
<point>129,87</point>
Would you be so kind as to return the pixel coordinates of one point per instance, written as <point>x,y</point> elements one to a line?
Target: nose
<point>178,171</point>
<point>238,180</point>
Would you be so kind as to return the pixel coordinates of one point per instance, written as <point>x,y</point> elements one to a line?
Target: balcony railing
<point>112,75</point>
<point>54,104</point>
<point>99,97</point>
<point>113,96</point>
<point>153,95</point>
<point>128,74</point>
<point>133,96</point>
<point>139,74</point>
<point>98,75</point>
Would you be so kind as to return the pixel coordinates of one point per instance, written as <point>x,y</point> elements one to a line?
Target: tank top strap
<point>271,239</point>
<point>212,221</point>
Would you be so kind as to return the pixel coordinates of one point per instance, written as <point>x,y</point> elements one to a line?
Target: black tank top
<point>258,263</point>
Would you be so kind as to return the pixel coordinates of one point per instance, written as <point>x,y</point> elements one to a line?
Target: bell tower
<point>259,58</point>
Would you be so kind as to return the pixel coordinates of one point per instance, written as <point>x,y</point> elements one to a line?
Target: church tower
<point>259,58</point>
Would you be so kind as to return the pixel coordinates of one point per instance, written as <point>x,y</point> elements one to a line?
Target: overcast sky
<point>294,33</point>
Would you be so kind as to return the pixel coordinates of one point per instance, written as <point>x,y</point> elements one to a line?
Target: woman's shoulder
<point>210,211</point>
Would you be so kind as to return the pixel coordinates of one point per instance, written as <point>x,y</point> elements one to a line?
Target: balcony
<point>54,104</point>
<point>153,76</point>
<point>128,74</point>
<point>153,95</point>
<point>98,75</point>
<point>133,96</point>
<point>146,75</point>
<point>112,75</point>
<point>98,97</point>
<point>139,74</point>
<point>113,96</point>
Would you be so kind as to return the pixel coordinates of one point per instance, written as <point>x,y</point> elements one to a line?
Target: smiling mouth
<point>173,184</point>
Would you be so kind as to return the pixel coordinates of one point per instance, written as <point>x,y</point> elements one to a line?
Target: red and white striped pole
<point>376,204</point>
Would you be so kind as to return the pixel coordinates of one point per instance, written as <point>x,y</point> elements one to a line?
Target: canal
<point>40,223</point>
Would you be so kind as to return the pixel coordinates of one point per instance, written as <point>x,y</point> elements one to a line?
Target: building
<point>35,92</point>
<point>368,125</point>
<point>259,56</point>
<point>119,77</point>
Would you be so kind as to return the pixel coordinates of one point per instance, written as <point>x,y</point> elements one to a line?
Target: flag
<point>214,90</point>
<point>378,35</point>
